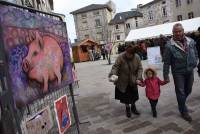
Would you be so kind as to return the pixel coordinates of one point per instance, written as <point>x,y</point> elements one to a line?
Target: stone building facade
<point>43,5</point>
<point>91,22</point>
<point>163,11</point>
<point>121,25</point>
<point>156,12</point>
<point>185,9</point>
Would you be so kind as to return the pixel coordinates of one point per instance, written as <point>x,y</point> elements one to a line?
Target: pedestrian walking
<point>103,52</point>
<point>162,42</point>
<point>152,84</point>
<point>90,54</point>
<point>126,70</point>
<point>198,47</point>
<point>93,53</point>
<point>181,54</point>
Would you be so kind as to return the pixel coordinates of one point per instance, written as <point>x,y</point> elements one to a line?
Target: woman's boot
<point>134,109</point>
<point>128,111</point>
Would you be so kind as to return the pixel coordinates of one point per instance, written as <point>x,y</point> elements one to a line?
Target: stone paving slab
<point>105,115</point>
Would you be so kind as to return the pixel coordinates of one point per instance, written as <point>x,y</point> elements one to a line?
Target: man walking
<point>181,54</point>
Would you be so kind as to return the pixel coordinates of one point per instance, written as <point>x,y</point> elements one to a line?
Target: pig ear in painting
<point>41,43</point>
<point>39,40</point>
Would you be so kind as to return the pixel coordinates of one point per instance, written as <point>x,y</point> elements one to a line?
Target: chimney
<point>139,5</point>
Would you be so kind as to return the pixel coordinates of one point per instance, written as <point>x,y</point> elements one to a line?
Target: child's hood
<point>150,69</point>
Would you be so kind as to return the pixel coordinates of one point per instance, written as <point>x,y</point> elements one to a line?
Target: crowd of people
<point>97,53</point>
<point>179,53</point>
<point>143,44</point>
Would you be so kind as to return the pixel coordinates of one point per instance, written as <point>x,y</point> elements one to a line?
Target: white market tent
<point>164,29</point>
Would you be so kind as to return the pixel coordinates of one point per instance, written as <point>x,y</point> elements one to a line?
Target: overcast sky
<point>67,6</point>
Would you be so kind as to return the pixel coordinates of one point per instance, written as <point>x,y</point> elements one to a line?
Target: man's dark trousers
<point>183,87</point>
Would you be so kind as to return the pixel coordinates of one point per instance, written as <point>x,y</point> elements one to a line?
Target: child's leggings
<point>153,104</point>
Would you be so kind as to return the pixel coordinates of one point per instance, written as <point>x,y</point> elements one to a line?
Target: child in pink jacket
<point>152,83</point>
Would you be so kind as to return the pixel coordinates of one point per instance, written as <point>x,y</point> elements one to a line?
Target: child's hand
<point>167,81</point>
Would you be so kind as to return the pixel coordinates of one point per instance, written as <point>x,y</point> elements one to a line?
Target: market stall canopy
<point>164,29</point>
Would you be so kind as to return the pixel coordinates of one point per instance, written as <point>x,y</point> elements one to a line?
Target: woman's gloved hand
<point>113,78</point>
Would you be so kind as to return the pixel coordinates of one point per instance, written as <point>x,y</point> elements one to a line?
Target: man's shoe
<point>128,112</point>
<point>186,117</point>
<point>134,110</point>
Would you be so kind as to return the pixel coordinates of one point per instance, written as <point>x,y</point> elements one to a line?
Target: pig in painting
<point>44,61</point>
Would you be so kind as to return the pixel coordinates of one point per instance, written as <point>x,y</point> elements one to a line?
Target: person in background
<point>197,39</point>
<point>126,71</point>
<point>162,42</point>
<point>93,52</point>
<point>181,55</point>
<point>89,50</point>
<point>103,52</point>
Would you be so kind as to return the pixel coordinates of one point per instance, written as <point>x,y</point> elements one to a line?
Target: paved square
<point>105,115</point>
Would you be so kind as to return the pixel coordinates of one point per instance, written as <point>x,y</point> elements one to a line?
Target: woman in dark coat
<point>124,73</point>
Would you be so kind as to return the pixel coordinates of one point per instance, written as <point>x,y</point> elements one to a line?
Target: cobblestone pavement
<point>100,113</point>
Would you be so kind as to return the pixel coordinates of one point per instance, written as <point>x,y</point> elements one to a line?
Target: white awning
<point>164,29</point>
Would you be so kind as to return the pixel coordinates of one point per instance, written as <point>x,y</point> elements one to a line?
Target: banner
<point>154,57</point>
<point>37,52</point>
<point>62,114</point>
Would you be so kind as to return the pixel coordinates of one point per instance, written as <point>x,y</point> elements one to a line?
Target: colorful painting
<point>37,51</point>
<point>40,123</point>
<point>62,114</point>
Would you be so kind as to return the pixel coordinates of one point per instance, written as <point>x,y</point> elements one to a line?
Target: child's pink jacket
<point>152,87</point>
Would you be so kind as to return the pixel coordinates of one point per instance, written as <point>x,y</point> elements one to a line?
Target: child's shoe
<point>154,113</point>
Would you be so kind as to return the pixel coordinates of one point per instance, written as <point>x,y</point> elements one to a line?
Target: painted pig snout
<point>26,65</point>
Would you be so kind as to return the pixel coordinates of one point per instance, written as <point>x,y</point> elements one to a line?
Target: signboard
<point>40,123</point>
<point>37,51</point>
<point>154,56</point>
<point>62,114</point>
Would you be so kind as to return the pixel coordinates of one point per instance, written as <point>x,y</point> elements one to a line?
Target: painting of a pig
<point>44,61</point>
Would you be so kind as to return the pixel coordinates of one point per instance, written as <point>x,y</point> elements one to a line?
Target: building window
<point>179,17</point>
<point>97,22</point>
<point>84,22</point>
<point>117,26</point>
<point>128,26</point>
<point>135,18</point>
<point>118,37</point>
<point>190,15</point>
<point>99,36</point>
<point>189,1</point>
<point>164,2</point>
<point>150,15</point>
<point>164,12</point>
<point>178,3</point>
<point>84,15</point>
<point>87,36</point>
<point>136,24</point>
<point>96,13</point>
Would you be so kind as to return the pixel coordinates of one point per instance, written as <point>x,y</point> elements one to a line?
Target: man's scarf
<point>182,43</point>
